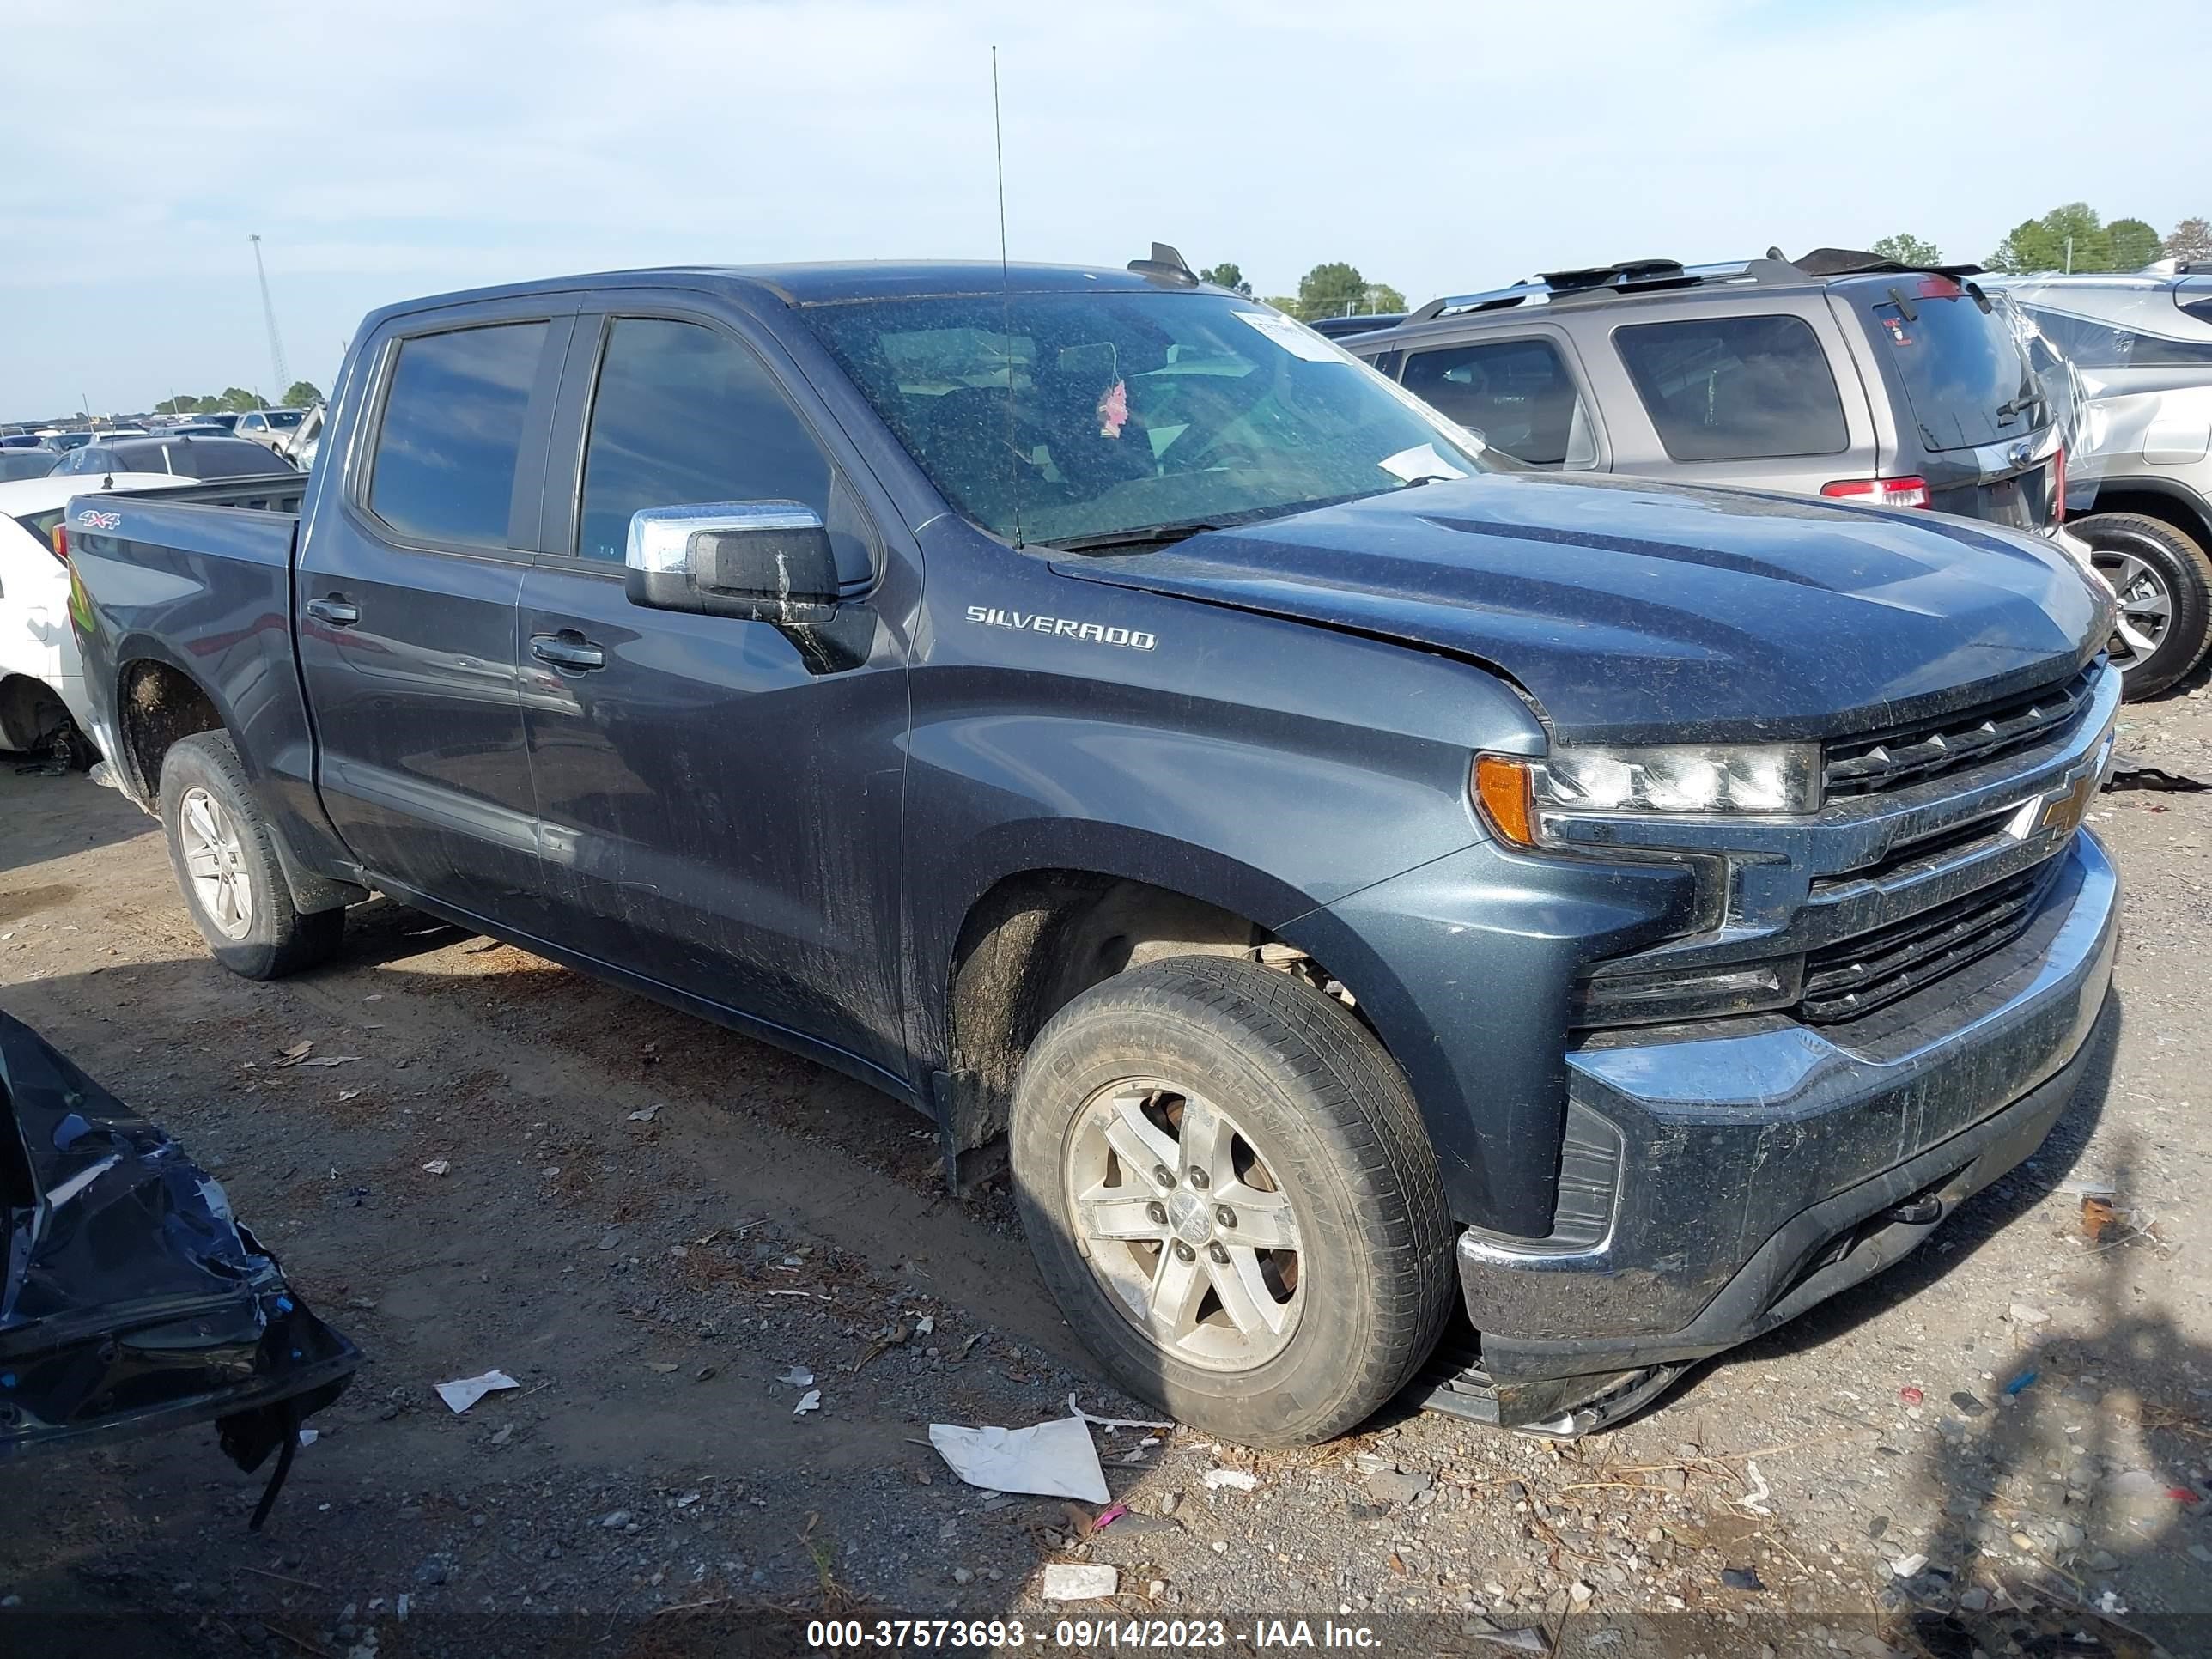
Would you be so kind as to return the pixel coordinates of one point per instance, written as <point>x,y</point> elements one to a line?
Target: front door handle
<point>334,611</point>
<point>567,650</point>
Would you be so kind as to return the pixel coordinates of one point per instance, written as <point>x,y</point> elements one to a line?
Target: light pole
<point>268,316</point>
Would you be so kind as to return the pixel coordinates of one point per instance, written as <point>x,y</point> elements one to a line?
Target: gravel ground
<point>649,1222</point>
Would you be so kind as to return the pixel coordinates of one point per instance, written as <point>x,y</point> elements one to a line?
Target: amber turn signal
<point>1503,791</point>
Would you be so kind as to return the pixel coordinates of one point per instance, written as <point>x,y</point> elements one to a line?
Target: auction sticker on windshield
<point>1294,337</point>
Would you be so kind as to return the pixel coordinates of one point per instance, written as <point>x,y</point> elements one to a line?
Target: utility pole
<point>269,315</point>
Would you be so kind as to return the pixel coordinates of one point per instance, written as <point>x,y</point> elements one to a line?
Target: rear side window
<point>1517,393</point>
<point>452,434</point>
<point>683,416</point>
<point>1736,388</point>
<point>2088,344</point>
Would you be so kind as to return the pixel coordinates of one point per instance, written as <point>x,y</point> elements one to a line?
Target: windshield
<point>1964,373</point>
<point>1133,410</point>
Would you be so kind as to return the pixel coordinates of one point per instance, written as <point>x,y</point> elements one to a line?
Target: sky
<point>386,149</point>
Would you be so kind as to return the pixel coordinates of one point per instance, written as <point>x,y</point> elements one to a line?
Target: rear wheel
<point>226,862</point>
<point>1228,1189</point>
<point>2164,583</point>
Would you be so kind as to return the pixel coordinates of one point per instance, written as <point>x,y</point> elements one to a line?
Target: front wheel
<point>225,859</point>
<point>2164,584</point>
<point>1229,1191</point>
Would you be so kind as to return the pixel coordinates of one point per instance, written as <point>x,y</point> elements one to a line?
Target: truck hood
<point>1635,613</point>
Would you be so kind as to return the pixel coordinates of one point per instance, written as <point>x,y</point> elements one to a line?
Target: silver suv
<point>2142,464</point>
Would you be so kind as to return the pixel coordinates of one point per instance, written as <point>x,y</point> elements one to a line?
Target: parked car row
<point>1364,885</point>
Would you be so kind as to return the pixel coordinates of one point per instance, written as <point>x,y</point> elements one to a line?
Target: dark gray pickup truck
<point>1356,879</point>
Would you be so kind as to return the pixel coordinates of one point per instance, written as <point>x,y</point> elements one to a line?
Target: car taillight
<point>60,543</point>
<point>2058,485</point>
<point>1879,492</point>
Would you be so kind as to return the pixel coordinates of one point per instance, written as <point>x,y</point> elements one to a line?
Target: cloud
<point>389,149</point>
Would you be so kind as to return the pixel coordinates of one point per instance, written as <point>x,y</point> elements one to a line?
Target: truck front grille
<point>1907,754</point>
<point>1857,975</point>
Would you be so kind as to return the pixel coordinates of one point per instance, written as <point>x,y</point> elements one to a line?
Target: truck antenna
<point>1006,294</point>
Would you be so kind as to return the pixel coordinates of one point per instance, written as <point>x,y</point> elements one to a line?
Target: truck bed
<point>204,571</point>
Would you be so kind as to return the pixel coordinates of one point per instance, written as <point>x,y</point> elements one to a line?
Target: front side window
<point>683,415</point>
<point>1517,393</point>
<point>1736,388</point>
<point>1068,416</point>
<point>451,439</point>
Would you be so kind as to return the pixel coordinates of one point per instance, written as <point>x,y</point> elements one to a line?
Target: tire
<point>2150,563</point>
<point>1320,1125</point>
<point>216,828</point>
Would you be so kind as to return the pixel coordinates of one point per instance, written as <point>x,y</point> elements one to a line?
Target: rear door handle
<point>335,610</point>
<point>567,651</point>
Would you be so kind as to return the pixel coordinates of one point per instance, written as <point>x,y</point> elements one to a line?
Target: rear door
<point>719,802</point>
<point>405,600</point>
<point>1971,416</point>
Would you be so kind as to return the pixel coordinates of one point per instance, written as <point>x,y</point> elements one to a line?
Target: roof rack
<point>1653,275</point>
<point>1601,282</point>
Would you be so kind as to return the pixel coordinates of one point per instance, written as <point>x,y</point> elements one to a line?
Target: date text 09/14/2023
<point>1162,1635</point>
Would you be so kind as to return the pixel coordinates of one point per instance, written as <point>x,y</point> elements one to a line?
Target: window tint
<point>1517,393</point>
<point>451,435</point>
<point>683,415</point>
<point>1734,388</point>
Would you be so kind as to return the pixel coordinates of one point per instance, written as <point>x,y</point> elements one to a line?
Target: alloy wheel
<point>215,860</point>
<point>1183,1223</point>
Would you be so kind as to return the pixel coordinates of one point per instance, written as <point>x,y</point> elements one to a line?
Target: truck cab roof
<point>818,284</point>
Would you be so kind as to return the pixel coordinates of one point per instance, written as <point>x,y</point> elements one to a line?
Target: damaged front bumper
<point>1722,1185</point>
<point>131,1298</point>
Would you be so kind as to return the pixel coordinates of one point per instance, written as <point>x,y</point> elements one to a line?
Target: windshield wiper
<point>1149,535</point>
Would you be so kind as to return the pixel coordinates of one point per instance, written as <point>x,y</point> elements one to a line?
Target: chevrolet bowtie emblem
<point>2065,814</point>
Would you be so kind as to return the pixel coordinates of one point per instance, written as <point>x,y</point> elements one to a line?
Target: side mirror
<point>763,561</point>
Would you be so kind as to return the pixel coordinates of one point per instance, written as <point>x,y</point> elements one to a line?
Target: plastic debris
<point>1910,1395</point>
<point>1055,1459</point>
<point>1755,1500</point>
<point>1909,1566</point>
<point>1079,1581</point>
<point>308,1437</point>
<point>1236,1480</point>
<point>1110,1424</point>
<point>465,1392</point>
<point>437,1166</point>
<point>2153,777</point>
<point>809,1401</point>
<point>1741,1578</point>
<point>645,1115</point>
<point>797,1377</point>
<point>2022,1383</point>
<point>926,1326</point>
<point>1106,1518</point>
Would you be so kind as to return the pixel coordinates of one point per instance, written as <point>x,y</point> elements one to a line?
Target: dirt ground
<point>2003,1444</point>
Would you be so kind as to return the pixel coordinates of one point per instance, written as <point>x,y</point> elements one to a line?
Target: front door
<point>719,809</point>
<point>406,594</point>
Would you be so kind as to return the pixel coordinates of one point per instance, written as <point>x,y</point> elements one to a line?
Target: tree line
<point>236,400</point>
<point>2074,238</point>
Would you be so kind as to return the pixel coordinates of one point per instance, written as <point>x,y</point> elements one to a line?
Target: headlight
<point>1663,779</point>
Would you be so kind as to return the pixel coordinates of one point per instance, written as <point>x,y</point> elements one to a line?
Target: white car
<point>272,426</point>
<point>42,680</point>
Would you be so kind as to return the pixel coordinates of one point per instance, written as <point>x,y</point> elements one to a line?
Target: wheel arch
<point>1038,935</point>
